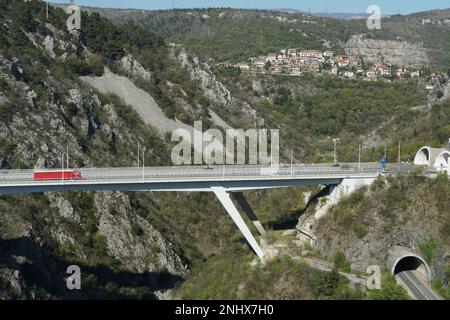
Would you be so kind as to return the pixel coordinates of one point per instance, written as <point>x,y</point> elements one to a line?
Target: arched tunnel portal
<point>402,259</point>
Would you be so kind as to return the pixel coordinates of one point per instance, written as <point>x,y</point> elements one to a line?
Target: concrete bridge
<point>221,180</point>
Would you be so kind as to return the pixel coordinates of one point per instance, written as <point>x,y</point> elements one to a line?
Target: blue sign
<point>383,163</point>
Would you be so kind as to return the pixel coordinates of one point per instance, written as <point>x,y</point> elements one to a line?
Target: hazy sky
<point>357,6</point>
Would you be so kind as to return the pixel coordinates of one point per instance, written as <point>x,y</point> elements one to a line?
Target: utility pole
<point>292,169</point>
<point>399,150</point>
<point>46,9</point>
<point>359,156</point>
<point>143,165</point>
<point>335,140</point>
<point>67,155</point>
<point>138,158</point>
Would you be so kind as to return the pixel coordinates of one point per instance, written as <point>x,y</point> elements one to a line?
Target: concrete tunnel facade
<point>442,161</point>
<point>403,259</point>
<point>427,156</point>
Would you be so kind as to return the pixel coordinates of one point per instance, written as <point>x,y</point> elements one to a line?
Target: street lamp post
<point>292,169</point>
<point>138,157</point>
<point>335,141</point>
<point>143,165</point>
<point>359,156</point>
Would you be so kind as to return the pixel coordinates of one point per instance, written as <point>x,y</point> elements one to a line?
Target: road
<point>419,289</point>
<point>326,266</point>
<point>195,178</point>
<point>233,172</point>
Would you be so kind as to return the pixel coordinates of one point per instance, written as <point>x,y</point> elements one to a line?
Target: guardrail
<point>199,173</point>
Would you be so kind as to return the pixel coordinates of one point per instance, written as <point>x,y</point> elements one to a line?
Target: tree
<point>340,262</point>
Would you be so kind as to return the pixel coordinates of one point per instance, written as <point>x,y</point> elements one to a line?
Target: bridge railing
<point>199,173</point>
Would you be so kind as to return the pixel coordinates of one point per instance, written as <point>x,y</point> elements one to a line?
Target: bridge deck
<point>201,175</point>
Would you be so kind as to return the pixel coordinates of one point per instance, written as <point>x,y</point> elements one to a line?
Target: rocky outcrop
<point>64,208</point>
<point>71,116</point>
<point>366,228</point>
<point>12,285</point>
<point>213,89</point>
<point>134,68</point>
<point>400,53</point>
<point>131,239</point>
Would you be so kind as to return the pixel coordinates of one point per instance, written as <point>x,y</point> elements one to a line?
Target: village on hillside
<point>296,62</point>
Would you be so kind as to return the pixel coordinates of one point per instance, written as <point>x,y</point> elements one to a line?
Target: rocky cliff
<point>125,245</point>
<point>407,211</point>
<point>399,53</point>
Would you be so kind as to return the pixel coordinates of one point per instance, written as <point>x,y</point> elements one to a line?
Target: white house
<point>328,54</point>
<point>292,52</point>
<point>243,66</point>
<point>311,54</point>
<point>349,74</point>
<point>272,57</point>
<point>384,70</point>
<point>296,69</point>
<point>260,64</point>
<point>334,70</point>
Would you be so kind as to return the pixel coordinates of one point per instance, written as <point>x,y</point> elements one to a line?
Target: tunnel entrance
<point>411,263</point>
<point>407,264</point>
<point>422,157</point>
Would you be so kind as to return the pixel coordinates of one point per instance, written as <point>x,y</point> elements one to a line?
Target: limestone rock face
<point>400,53</point>
<point>214,90</point>
<point>133,67</point>
<point>131,239</point>
<point>64,207</point>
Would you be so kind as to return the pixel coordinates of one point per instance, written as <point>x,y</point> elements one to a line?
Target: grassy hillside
<point>235,35</point>
<point>232,276</point>
<point>312,110</point>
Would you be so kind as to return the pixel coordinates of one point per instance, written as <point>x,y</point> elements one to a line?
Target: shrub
<point>88,280</point>
<point>390,290</point>
<point>326,284</point>
<point>428,249</point>
<point>85,67</point>
<point>340,262</point>
<point>99,244</point>
<point>6,147</point>
<point>360,230</point>
<point>446,228</point>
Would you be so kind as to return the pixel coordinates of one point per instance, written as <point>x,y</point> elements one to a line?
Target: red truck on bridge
<point>48,175</point>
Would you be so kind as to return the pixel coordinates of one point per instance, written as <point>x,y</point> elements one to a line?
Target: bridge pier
<point>225,200</point>
<point>243,203</point>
